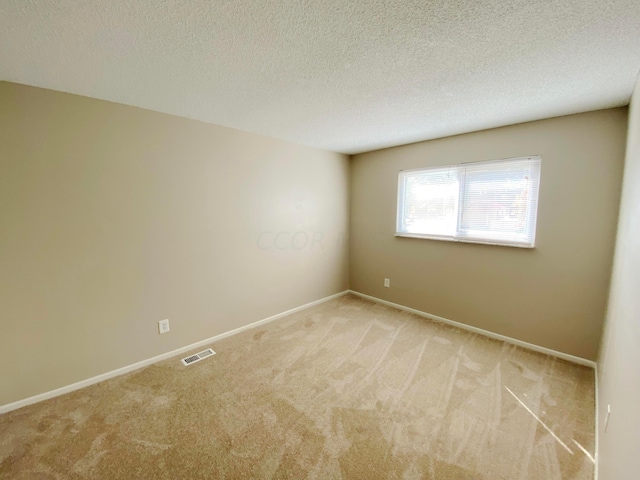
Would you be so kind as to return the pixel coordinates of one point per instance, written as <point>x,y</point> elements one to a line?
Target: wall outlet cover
<point>163,326</point>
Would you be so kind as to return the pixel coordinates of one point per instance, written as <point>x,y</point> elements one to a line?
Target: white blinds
<point>499,200</point>
<point>489,202</point>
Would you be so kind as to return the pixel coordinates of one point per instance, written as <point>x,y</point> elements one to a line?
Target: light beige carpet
<point>347,389</point>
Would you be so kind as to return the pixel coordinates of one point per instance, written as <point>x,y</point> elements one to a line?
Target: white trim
<point>448,238</point>
<point>486,333</point>
<point>597,442</point>
<point>135,366</point>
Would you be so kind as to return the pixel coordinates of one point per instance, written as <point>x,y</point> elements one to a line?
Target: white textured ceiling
<point>342,75</point>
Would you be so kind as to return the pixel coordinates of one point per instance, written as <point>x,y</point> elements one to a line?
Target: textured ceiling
<point>348,76</point>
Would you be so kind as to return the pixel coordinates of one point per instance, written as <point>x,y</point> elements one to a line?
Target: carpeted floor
<point>346,389</point>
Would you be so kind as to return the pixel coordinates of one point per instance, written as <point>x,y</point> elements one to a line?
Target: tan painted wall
<point>619,359</point>
<point>554,295</point>
<point>113,217</point>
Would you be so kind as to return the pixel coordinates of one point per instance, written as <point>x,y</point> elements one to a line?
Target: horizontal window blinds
<point>499,200</point>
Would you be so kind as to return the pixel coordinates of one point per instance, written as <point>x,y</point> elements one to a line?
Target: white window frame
<point>465,237</point>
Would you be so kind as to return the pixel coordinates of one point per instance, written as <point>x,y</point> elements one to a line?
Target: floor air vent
<point>196,357</point>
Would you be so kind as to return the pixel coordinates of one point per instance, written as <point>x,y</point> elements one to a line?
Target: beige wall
<point>619,359</point>
<point>113,217</point>
<point>554,295</point>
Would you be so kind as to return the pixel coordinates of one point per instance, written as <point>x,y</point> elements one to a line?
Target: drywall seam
<point>135,366</point>
<point>486,333</point>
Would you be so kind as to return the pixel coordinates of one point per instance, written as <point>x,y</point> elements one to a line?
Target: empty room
<point>319,239</point>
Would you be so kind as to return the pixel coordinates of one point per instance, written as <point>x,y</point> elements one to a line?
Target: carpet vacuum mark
<point>347,389</point>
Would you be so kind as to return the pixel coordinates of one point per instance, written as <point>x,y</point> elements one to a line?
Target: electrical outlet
<point>387,282</point>
<point>163,326</point>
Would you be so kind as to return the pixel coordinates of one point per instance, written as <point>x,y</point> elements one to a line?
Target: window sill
<point>497,243</point>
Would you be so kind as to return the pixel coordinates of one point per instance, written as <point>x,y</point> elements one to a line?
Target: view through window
<point>488,202</point>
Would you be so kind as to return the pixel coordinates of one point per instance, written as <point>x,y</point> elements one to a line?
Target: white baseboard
<point>135,366</point>
<point>480,331</point>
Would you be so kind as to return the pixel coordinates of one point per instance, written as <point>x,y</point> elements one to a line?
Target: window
<point>492,202</point>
